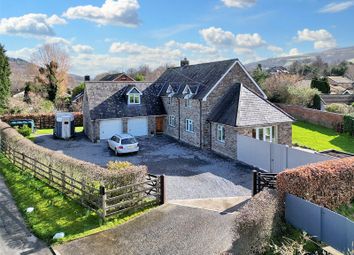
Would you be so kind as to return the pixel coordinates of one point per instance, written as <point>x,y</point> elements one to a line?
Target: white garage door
<point>108,128</point>
<point>138,126</point>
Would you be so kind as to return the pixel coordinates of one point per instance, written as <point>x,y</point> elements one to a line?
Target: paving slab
<point>15,238</point>
<point>169,229</point>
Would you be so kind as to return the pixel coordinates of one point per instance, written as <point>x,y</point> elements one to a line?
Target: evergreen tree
<point>5,82</point>
<point>259,75</point>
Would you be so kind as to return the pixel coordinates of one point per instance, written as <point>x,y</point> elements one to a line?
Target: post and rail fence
<point>263,180</point>
<point>106,202</point>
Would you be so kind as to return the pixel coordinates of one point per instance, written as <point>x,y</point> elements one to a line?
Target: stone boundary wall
<point>322,118</point>
<point>42,120</point>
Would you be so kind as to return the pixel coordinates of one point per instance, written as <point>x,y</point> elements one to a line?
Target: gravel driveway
<point>192,173</point>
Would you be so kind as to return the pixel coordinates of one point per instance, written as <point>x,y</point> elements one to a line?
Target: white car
<point>123,143</point>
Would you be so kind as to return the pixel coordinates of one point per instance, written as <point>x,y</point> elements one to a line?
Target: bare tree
<point>54,53</point>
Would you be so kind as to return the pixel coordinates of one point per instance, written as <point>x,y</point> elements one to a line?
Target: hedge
<point>256,223</point>
<point>348,125</point>
<point>42,120</point>
<point>328,183</point>
<point>78,169</point>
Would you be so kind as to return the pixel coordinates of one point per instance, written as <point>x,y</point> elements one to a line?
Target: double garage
<point>137,126</point>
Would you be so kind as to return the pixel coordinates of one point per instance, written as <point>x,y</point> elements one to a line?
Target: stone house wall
<point>88,125</point>
<point>235,75</point>
<point>193,113</point>
<point>229,147</point>
<point>171,109</point>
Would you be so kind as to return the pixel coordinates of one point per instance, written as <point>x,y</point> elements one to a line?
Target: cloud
<point>24,53</point>
<point>294,52</point>
<point>217,36</point>
<point>336,7</point>
<point>322,38</point>
<point>194,47</point>
<point>82,48</point>
<point>114,12</point>
<point>238,3</point>
<point>275,49</point>
<point>32,24</point>
<point>249,40</point>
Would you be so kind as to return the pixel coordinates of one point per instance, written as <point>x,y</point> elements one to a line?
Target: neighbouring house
<point>341,85</point>
<point>117,77</point>
<point>277,70</point>
<point>204,105</point>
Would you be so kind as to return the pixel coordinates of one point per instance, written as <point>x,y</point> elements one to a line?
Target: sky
<point>114,35</point>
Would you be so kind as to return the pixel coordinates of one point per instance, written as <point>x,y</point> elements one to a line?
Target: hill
<point>330,56</point>
<point>22,71</point>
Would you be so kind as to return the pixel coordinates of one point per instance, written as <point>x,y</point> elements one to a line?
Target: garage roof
<point>107,100</point>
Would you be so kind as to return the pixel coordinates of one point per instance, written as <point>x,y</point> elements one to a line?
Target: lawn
<point>320,138</point>
<point>53,212</point>
<point>49,131</point>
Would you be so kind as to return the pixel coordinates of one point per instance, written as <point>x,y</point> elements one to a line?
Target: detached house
<point>204,105</point>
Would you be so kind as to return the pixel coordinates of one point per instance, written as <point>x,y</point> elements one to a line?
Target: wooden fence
<point>106,202</point>
<point>263,180</point>
<point>42,121</point>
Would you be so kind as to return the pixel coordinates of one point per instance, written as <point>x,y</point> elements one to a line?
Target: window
<point>189,125</point>
<point>220,133</point>
<point>134,98</point>
<point>169,100</point>
<point>187,103</point>
<point>172,120</point>
<point>269,134</point>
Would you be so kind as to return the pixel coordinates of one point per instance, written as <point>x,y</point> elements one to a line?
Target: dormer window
<point>134,96</point>
<point>170,92</point>
<point>187,92</point>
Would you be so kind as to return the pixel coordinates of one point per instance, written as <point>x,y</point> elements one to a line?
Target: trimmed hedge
<point>42,120</point>
<point>77,169</point>
<point>348,125</point>
<point>256,223</point>
<point>329,183</point>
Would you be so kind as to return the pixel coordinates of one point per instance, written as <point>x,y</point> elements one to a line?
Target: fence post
<point>104,201</point>
<point>255,177</point>
<point>83,187</point>
<point>163,194</point>
<point>63,180</point>
<point>50,173</point>
<point>23,162</point>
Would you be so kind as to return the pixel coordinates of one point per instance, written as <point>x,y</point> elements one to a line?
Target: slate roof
<point>111,77</point>
<point>200,78</point>
<point>340,79</point>
<point>108,100</point>
<point>241,107</point>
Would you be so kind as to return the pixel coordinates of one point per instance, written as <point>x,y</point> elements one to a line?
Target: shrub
<point>348,125</point>
<point>329,183</point>
<point>301,95</point>
<point>316,102</point>
<point>337,108</point>
<point>256,223</point>
<point>276,87</point>
<point>78,89</point>
<point>25,130</point>
<point>118,165</point>
<point>321,84</point>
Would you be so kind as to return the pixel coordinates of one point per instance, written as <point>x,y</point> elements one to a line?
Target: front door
<point>159,124</point>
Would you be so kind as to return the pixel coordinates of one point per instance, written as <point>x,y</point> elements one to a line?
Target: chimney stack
<point>87,78</point>
<point>184,62</point>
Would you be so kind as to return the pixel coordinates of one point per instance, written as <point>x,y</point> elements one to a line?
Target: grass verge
<point>320,138</point>
<point>49,131</point>
<point>53,212</point>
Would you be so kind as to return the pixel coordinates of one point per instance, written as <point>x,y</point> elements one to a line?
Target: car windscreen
<point>129,141</point>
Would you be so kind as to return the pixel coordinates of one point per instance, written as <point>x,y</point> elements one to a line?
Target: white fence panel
<point>278,157</point>
<point>298,157</point>
<point>273,157</point>
<point>253,152</point>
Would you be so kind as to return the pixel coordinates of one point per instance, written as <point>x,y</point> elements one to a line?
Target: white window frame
<point>135,97</point>
<point>268,134</point>
<point>220,133</point>
<point>172,120</point>
<point>187,103</point>
<point>189,125</point>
